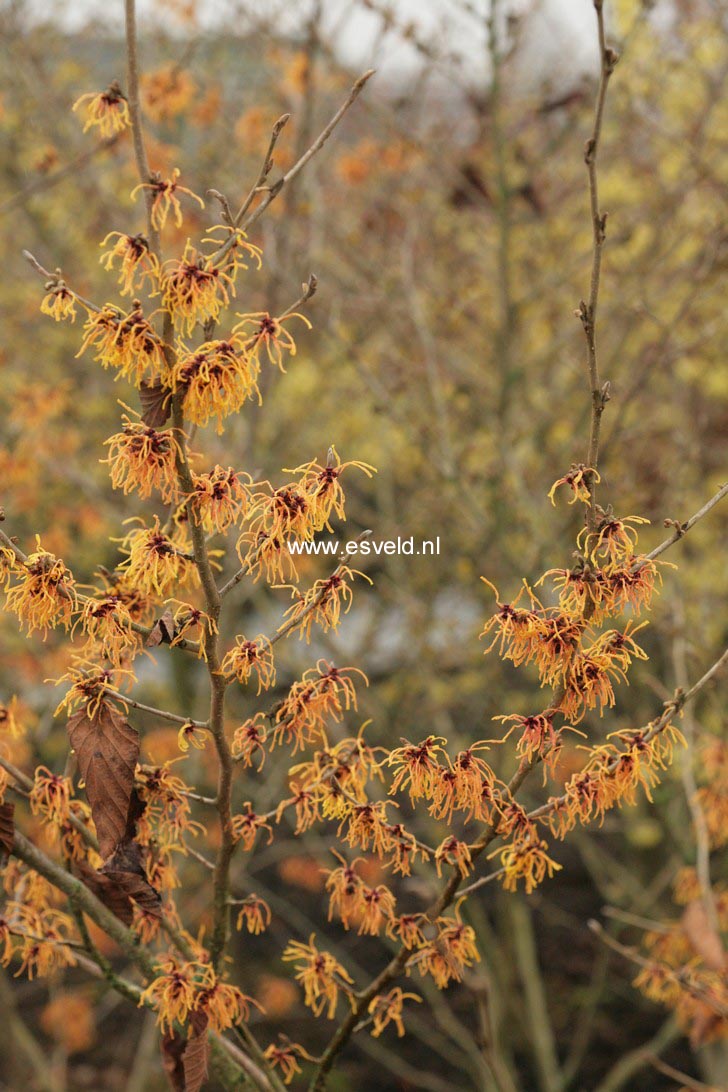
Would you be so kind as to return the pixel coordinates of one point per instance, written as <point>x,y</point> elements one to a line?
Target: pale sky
<point>557,37</point>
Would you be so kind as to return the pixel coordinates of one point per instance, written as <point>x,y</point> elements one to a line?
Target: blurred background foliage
<point>448,224</point>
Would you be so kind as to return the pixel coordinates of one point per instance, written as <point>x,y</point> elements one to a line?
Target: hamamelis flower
<point>215,380</point>
<point>264,555</point>
<point>266,332</point>
<point>633,584</point>
<point>284,1056</point>
<point>322,486</point>
<point>404,849</point>
<point>387,1009</point>
<point>455,853</point>
<point>322,692</point>
<point>50,796</point>
<point>368,826</point>
<point>9,563</point>
<point>89,684</point>
<point>7,942</point>
<point>578,479</point>
<point>345,891</point>
<point>589,683</point>
<point>108,110</point>
<point>137,263</point>
<point>377,908</point>
<point>407,928</point>
<point>73,845</point>
<point>460,785</point>
<point>192,735</point>
<point>174,993</point>
<point>194,289</point>
<point>223,1004</point>
<point>323,604</point>
<point>248,658</point>
<point>221,497</point>
<point>154,564</point>
<point>106,621</point>
<point>187,620</point>
<point>418,767</point>
<point>165,197</point>
<point>528,861</point>
<point>246,825</point>
<point>59,302</point>
<point>538,737</point>
<point>448,956</point>
<point>256,915</point>
<point>249,741</point>
<point>144,459</point>
<point>554,646</point>
<point>613,541</point>
<point>44,595</point>
<point>167,815</point>
<point>580,588</point>
<point>283,513</point>
<point>45,950</point>
<point>127,342</point>
<point>516,629</point>
<point>320,974</point>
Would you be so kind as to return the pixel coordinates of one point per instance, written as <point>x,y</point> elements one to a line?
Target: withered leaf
<point>173,1046</point>
<point>197,1053</point>
<point>163,631</point>
<point>155,402</point>
<point>7,827</point>
<point>107,748</point>
<point>703,937</point>
<point>118,890</point>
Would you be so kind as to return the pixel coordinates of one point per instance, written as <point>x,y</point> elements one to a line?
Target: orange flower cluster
<point>165,197</point>
<point>449,954</point>
<point>165,822</point>
<point>248,658</point>
<point>323,604</point>
<point>137,263</point>
<point>466,784</point>
<point>184,988</point>
<point>324,691</point>
<point>215,380</point>
<point>612,775</point>
<point>371,908</point>
<point>41,592</point>
<point>320,974</point>
<point>144,459</point>
<point>155,562</point>
<point>107,111</point>
<point>221,497</point>
<point>125,341</point>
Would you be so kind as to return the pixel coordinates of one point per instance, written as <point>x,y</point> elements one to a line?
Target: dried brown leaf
<point>155,402</point>
<point>107,748</point>
<point>119,890</point>
<point>197,1053</point>
<point>173,1047</point>
<point>163,631</point>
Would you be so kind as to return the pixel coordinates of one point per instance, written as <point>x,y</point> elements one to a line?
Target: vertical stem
<point>588,309</point>
<point>135,113</point>
<point>221,885</point>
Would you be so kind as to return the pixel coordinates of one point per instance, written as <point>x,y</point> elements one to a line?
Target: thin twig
<point>681,529</point>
